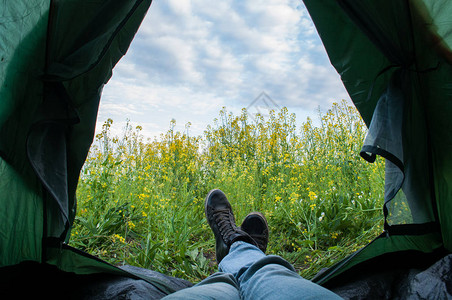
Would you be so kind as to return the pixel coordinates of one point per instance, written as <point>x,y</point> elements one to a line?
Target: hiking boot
<point>221,219</point>
<point>256,226</point>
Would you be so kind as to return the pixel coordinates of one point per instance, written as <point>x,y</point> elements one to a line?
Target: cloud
<point>192,57</point>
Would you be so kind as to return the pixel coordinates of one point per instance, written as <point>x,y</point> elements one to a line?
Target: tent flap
<point>394,59</point>
<point>56,57</point>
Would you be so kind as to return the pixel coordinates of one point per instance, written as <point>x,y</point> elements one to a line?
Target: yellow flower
<point>312,195</point>
<point>131,225</point>
<point>142,196</point>
<point>120,238</point>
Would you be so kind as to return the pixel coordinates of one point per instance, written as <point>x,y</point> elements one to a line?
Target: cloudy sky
<point>190,58</point>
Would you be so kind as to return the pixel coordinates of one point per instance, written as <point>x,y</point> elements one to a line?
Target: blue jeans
<point>247,273</point>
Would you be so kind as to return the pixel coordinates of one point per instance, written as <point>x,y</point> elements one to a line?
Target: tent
<point>394,58</point>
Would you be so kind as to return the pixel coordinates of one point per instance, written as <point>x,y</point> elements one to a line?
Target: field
<point>142,202</point>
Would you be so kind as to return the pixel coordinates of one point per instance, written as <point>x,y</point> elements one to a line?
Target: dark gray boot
<point>221,219</point>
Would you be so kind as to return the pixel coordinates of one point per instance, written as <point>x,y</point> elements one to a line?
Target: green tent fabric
<point>55,58</point>
<point>395,58</point>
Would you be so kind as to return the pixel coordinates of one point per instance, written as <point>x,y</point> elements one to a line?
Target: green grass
<point>141,202</point>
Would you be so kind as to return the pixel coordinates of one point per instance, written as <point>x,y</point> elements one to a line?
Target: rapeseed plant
<point>141,202</point>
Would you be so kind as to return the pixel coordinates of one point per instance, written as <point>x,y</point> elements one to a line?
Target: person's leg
<point>217,286</point>
<point>268,277</point>
<point>221,220</point>
<point>237,251</point>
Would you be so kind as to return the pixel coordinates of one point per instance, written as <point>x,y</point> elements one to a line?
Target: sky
<point>191,58</point>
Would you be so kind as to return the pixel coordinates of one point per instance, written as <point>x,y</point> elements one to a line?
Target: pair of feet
<point>254,229</point>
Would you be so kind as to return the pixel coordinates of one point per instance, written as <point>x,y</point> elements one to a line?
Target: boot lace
<point>225,221</point>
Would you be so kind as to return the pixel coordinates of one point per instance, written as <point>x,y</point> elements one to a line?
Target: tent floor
<point>31,280</point>
<point>433,282</point>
